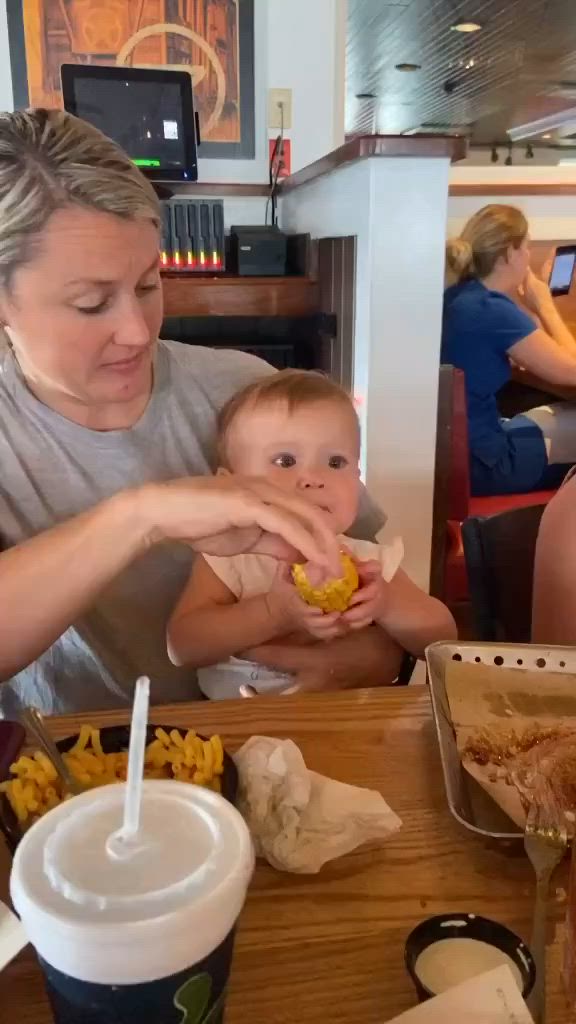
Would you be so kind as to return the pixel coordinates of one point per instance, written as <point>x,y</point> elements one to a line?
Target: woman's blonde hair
<point>486,237</point>
<point>50,159</point>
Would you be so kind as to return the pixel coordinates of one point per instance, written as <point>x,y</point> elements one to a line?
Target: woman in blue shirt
<point>484,330</point>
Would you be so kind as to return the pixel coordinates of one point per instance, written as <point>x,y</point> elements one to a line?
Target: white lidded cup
<point>143,935</point>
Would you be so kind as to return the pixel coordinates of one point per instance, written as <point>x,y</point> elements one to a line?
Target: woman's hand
<point>294,615</point>
<point>535,293</point>
<point>48,582</point>
<point>366,658</point>
<point>229,515</point>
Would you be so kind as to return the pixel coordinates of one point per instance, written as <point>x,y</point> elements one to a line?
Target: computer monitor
<point>147,111</point>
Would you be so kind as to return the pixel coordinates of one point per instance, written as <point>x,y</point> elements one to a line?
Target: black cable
<point>274,170</point>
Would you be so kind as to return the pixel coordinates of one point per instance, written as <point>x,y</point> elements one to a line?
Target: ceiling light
<point>407,66</point>
<point>552,122</point>
<point>466,26</point>
<point>547,136</point>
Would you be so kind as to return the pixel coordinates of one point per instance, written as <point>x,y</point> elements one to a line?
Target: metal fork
<point>34,722</point>
<point>545,842</point>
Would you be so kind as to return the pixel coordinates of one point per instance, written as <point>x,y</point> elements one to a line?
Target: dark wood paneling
<point>337,281</point>
<point>240,296</point>
<point>204,188</point>
<point>298,341</point>
<point>377,145</point>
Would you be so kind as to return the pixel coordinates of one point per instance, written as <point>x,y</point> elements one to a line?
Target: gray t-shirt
<point>52,469</point>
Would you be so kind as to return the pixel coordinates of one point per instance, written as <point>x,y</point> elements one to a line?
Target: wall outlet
<point>275,114</point>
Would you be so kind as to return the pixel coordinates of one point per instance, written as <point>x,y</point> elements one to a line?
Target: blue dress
<point>479,328</point>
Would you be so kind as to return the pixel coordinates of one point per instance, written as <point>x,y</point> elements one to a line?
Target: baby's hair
<point>294,388</point>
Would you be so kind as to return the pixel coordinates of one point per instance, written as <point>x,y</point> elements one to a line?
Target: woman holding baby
<point>107,446</point>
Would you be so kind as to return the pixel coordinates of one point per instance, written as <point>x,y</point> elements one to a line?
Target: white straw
<point>136,752</point>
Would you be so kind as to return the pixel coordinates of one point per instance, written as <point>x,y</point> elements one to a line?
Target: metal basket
<point>468,802</point>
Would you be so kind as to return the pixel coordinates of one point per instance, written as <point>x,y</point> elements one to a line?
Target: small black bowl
<point>12,737</point>
<point>113,738</point>
<point>467,926</point>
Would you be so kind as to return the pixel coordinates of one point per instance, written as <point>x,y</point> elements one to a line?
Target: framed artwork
<point>212,39</point>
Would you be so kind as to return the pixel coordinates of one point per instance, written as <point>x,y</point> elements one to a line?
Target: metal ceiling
<point>520,66</point>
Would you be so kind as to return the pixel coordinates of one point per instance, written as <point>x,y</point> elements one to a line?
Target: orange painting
<point>200,36</point>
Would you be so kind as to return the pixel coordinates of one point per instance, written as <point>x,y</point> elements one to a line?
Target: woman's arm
<point>554,596</point>
<point>530,380</point>
<point>209,625</point>
<point>543,357</point>
<point>363,659</point>
<point>554,325</point>
<point>539,300</point>
<point>47,582</point>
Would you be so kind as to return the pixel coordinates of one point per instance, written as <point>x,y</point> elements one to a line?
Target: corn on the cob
<point>332,596</point>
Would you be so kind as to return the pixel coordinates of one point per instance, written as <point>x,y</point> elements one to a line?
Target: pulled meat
<point>530,759</point>
<point>499,748</point>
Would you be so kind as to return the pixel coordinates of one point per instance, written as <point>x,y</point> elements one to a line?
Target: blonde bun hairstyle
<point>459,258</point>
<point>486,238</point>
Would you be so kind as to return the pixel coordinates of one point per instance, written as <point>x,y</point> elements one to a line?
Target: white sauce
<point>449,962</point>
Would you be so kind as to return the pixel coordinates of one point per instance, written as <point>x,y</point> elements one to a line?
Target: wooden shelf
<point>515,189</point>
<point>224,188</point>
<point>185,295</point>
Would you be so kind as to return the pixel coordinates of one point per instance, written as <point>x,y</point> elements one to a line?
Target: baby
<point>299,430</point>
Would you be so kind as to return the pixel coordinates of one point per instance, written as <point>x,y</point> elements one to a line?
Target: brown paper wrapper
<point>497,701</point>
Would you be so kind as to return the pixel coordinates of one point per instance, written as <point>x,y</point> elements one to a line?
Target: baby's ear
<point>222,471</point>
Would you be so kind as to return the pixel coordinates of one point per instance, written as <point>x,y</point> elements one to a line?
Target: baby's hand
<point>292,613</point>
<point>368,603</point>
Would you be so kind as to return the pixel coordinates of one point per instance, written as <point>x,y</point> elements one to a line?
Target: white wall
<point>306,54</point>
<point>299,45</point>
<point>339,204</point>
<point>397,210</point>
<point>408,216</point>
<point>495,174</point>
<point>5,79</point>
<point>549,216</point>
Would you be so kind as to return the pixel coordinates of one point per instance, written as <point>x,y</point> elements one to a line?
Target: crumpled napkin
<point>12,936</point>
<point>299,820</point>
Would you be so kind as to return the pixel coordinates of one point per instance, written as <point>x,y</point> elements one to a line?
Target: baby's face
<point>313,451</point>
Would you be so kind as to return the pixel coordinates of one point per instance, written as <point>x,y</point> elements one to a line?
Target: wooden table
<point>330,947</point>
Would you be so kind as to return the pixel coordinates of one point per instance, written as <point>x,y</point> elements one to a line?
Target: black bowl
<point>12,736</point>
<point>113,738</point>
<point>467,926</point>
